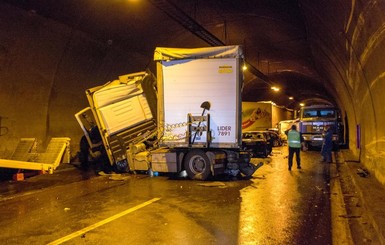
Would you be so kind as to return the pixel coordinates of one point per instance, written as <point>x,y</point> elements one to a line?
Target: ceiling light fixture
<point>274,88</point>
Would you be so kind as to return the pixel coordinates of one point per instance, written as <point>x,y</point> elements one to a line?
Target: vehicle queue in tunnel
<point>48,60</point>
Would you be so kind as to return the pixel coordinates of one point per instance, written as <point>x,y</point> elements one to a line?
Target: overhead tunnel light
<point>275,89</point>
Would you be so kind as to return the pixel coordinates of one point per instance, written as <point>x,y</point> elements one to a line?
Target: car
<point>256,143</point>
<point>275,139</point>
<point>270,141</point>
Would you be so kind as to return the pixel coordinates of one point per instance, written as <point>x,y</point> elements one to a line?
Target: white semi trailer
<point>198,115</point>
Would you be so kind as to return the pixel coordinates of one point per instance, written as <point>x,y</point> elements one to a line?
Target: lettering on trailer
<point>225,69</point>
<point>224,130</point>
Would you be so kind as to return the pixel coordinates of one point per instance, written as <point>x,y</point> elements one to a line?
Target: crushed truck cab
<point>122,113</point>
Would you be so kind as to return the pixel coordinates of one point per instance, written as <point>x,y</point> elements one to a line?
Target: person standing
<point>327,145</point>
<point>294,140</point>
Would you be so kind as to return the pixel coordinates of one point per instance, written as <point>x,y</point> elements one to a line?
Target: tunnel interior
<point>328,52</point>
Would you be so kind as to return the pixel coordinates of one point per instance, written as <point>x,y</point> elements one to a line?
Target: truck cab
<point>314,119</point>
<point>122,114</point>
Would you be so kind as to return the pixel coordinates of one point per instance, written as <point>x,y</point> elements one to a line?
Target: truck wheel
<point>83,153</point>
<point>265,152</point>
<point>197,165</point>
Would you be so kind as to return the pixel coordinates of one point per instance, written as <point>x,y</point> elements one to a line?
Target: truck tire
<point>265,153</point>
<point>197,165</point>
<point>83,153</point>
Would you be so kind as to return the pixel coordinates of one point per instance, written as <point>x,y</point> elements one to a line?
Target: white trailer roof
<point>162,53</point>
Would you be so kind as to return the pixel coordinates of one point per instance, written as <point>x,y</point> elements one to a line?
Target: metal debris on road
<point>213,184</point>
<point>363,172</point>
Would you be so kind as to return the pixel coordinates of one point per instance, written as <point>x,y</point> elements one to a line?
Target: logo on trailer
<point>224,130</point>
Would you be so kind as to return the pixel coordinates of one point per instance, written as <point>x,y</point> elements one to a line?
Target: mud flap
<point>249,168</point>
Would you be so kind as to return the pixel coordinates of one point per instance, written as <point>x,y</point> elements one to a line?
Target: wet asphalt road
<point>274,207</point>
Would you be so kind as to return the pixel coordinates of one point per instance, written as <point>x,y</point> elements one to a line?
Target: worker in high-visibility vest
<point>294,140</point>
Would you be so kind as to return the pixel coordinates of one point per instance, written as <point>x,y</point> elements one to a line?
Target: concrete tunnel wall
<point>45,67</point>
<point>347,41</point>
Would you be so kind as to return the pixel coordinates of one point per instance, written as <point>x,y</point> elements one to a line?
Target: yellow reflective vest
<point>294,139</point>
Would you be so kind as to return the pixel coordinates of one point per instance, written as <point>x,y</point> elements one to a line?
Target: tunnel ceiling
<point>273,34</point>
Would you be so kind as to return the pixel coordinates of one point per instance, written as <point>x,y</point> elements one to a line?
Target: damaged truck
<point>187,118</point>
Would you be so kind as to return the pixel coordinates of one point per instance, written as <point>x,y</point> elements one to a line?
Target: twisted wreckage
<point>188,119</point>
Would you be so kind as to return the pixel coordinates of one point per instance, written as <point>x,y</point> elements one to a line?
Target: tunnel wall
<point>45,68</point>
<point>347,39</point>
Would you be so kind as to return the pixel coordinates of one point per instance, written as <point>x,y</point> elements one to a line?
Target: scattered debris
<point>118,177</point>
<point>113,175</point>
<point>363,172</point>
<point>213,184</point>
<point>350,216</point>
<point>102,173</point>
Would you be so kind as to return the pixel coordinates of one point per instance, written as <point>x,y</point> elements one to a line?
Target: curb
<point>368,210</point>
<point>341,234</point>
